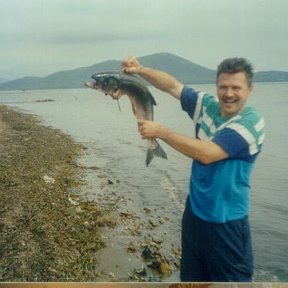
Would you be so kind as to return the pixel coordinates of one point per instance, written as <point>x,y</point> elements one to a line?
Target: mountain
<point>271,76</point>
<point>182,69</point>
<point>60,80</point>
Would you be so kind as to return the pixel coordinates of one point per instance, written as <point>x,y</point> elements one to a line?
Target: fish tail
<point>154,149</point>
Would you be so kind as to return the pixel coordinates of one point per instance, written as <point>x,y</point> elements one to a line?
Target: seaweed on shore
<point>44,236</point>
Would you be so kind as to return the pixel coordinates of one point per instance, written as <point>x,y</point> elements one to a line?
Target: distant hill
<point>60,80</point>
<point>271,76</point>
<point>185,71</point>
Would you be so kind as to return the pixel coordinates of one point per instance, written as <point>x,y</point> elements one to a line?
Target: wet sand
<point>139,229</point>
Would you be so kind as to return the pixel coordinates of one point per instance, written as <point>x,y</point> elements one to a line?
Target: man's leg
<point>229,254</point>
<point>192,267</point>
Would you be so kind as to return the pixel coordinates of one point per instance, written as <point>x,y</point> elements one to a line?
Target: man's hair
<point>235,65</point>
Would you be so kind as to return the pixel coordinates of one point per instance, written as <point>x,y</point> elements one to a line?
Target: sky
<point>40,37</point>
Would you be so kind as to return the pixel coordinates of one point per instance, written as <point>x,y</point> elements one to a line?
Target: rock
<point>126,214</point>
<point>147,210</point>
<point>147,253</point>
<point>48,180</point>
<point>112,275</point>
<point>154,265</point>
<point>153,223</point>
<point>157,240</point>
<point>131,248</point>
<point>165,268</point>
<point>161,265</point>
<point>141,271</point>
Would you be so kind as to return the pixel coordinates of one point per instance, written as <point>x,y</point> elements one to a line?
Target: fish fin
<point>155,150</point>
<point>153,99</point>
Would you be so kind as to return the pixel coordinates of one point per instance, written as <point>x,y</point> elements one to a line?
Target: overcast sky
<point>40,37</point>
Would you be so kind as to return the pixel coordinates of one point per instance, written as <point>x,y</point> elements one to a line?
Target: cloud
<point>70,33</point>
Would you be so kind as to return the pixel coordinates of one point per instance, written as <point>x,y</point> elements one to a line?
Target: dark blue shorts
<point>213,252</point>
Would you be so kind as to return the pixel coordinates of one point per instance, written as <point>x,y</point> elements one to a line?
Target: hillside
<point>185,71</point>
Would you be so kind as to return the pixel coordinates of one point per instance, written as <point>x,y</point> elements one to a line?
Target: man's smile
<point>230,100</point>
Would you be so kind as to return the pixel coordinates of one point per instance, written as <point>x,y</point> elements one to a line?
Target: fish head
<point>108,82</point>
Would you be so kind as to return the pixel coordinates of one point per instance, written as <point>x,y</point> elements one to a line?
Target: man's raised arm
<point>157,78</point>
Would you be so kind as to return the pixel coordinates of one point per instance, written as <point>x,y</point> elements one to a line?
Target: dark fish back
<point>142,95</point>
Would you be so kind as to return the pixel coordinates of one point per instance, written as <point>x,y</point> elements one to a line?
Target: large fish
<point>141,99</point>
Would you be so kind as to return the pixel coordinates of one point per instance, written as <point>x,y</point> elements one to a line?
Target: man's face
<point>233,91</point>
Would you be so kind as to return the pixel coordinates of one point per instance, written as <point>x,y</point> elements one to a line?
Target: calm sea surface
<point>113,140</point>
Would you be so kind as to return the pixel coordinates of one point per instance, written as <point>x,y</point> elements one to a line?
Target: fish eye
<point>111,81</point>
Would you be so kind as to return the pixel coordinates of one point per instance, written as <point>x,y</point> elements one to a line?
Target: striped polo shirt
<point>219,192</point>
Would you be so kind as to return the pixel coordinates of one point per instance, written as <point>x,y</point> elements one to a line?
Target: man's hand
<point>149,129</point>
<point>157,78</point>
<point>131,65</point>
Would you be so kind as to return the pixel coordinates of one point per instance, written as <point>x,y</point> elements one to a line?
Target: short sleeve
<point>242,138</point>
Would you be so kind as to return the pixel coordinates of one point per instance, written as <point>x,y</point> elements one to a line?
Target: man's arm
<point>205,152</point>
<point>157,78</point>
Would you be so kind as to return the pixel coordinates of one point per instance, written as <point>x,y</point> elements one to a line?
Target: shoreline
<point>45,235</point>
<point>51,233</point>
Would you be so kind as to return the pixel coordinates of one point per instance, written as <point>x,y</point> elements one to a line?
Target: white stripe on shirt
<point>261,139</point>
<point>198,106</point>
<point>245,133</point>
<point>260,125</point>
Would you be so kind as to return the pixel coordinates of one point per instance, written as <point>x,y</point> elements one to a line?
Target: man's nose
<point>229,92</point>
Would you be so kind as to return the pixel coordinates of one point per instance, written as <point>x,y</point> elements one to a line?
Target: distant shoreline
<point>48,100</point>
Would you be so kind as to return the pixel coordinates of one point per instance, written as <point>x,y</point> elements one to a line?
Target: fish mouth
<point>91,85</point>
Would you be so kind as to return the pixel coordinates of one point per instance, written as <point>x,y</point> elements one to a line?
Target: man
<point>216,242</point>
